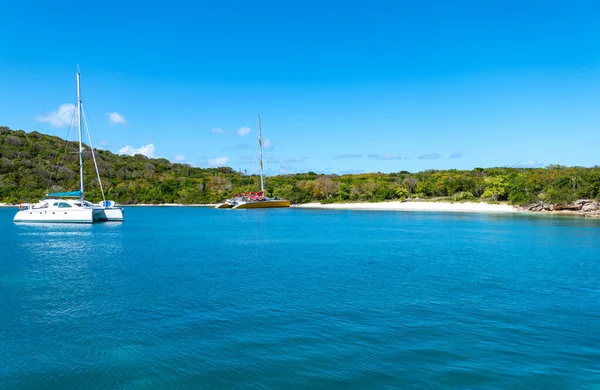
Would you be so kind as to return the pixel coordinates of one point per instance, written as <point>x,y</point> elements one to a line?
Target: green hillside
<point>32,164</point>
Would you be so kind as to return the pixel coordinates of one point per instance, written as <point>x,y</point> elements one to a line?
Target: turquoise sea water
<point>195,298</point>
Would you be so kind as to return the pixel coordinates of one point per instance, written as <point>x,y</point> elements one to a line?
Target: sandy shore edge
<point>141,205</point>
<point>468,207</point>
<point>391,206</point>
<point>435,206</point>
<point>170,205</point>
<point>471,207</point>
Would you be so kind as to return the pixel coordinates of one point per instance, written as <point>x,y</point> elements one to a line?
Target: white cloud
<point>236,147</point>
<point>146,150</point>
<point>285,170</point>
<point>527,164</point>
<point>268,145</point>
<point>60,117</point>
<point>386,157</point>
<point>348,155</point>
<point>216,130</point>
<point>179,157</point>
<point>429,156</point>
<point>295,160</point>
<point>352,172</point>
<point>218,161</point>
<point>243,131</point>
<point>114,118</point>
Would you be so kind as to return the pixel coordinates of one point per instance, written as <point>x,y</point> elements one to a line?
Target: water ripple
<point>186,298</point>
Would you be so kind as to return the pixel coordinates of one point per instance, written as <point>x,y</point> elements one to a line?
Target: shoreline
<point>140,205</point>
<point>406,206</point>
<point>466,207</point>
<point>169,205</point>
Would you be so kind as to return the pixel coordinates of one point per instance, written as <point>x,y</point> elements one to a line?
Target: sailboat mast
<point>262,180</point>
<point>80,137</point>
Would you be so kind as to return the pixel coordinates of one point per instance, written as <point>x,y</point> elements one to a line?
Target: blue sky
<point>340,86</point>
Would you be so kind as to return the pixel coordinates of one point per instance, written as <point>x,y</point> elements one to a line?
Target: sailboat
<point>56,209</point>
<point>254,200</point>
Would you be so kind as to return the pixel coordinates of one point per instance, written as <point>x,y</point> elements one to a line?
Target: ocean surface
<point>197,298</point>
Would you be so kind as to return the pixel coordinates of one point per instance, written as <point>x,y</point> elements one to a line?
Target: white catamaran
<point>56,209</point>
<point>254,200</point>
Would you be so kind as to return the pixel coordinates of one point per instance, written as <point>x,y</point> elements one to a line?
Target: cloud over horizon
<point>243,131</point>
<point>352,171</point>
<point>286,170</point>
<point>386,157</point>
<point>218,161</point>
<point>146,150</point>
<point>59,117</point>
<point>295,160</point>
<point>267,144</point>
<point>114,118</point>
<point>216,130</point>
<point>527,164</point>
<point>235,147</point>
<point>179,158</point>
<point>429,156</point>
<point>348,155</point>
<point>456,155</point>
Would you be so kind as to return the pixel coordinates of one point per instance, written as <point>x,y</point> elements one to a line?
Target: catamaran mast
<point>262,181</point>
<point>80,139</point>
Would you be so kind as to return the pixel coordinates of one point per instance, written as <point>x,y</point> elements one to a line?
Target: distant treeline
<point>32,164</point>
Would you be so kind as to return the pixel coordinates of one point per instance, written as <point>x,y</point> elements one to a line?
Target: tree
<point>410,183</point>
<point>33,164</point>
<point>495,188</point>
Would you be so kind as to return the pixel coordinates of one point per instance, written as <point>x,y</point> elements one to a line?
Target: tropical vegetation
<point>33,164</point>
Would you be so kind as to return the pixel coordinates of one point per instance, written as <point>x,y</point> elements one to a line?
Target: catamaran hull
<point>108,214</point>
<point>224,206</point>
<point>70,216</point>
<point>267,204</point>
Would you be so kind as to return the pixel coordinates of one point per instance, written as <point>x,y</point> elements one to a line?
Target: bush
<point>464,195</point>
<point>33,163</point>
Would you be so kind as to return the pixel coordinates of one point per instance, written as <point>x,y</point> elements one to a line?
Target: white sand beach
<point>169,205</point>
<point>470,207</point>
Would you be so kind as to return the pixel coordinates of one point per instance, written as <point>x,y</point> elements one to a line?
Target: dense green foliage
<point>32,164</point>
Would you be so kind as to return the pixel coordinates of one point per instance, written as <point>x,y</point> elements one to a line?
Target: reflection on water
<point>64,254</point>
<point>203,298</point>
<point>54,226</point>
<point>55,241</point>
<point>55,266</point>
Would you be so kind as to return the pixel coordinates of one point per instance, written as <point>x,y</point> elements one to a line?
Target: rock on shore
<point>584,207</point>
